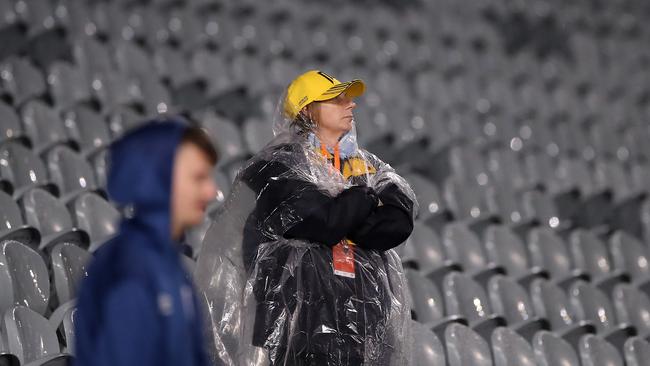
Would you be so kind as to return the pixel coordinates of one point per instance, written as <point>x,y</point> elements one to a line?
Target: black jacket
<point>333,316</point>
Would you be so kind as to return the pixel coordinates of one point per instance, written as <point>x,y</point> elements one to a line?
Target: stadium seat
<point>13,226</point>
<point>24,277</point>
<point>511,300</point>
<point>49,215</point>
<point>595,351</point>
<point>432,208</point>
<point>43,126</point>
<point>32,338</point>
<point>10,127</point>
<point>637,351</point>
<point>464,247</point>
<point>630,255</point>
<point>96,217</point>
<point>428,348</point>
<point>427,304</point>
<point>226,136</point>
<point>257,134</point>
<point>632,307</point>
<point>507,250</point>
<point>69,267</point>
<point>551,350</point>
<point>22,80</point>
<point>204,63</point>
<point>22,169</point>
<point>466,347</point>
<point>466,298</point>
<point>424,250</point>
<point>123,119</point>
<point>6,357</point>
<point>99,163</point>
<point>591,256</point>
<point>88,128</point>
<point>549,252</point>
<point>68,85</point>
<point>510,349</point>
<point>71,173</point>
<point>468,203</point>
<point>592,304</point>
<point>62,320</point>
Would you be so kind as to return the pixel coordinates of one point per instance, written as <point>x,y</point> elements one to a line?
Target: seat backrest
<point>425,297</point>
<point>25,275</point>
<point>552,303</point>
<point>10,216</point>
<point>428,348</point>
<point>70,171</point>
<point>464,247</point>
<point>548,251</point>
<point>257,134</point>
<point>22,79</point>
<point>427,247</point>
<point>630,255</point>
<point>465,200</point>
<point>551,350</point>
<point>465,347</point>
<point>636,351</point>
<point>428,196</point>
<point>595,351</point>
<point>45,212</point>
<point>68,84</point>
<point>509,299</point>
<point>503,201</point>
<point>21,166</point>
<point>96,216</point>
<point>541,207</point>
<point>10,127</point>
<point>69,264</point>
<point>592,304</point>
<point>88,128</point>
<point>505,248</point>
<point>510,349</point>
<point>589,253</point>
<point>43,125</point>
<point>465,297</point>
<point>30,336</point>
<point>632,306</point>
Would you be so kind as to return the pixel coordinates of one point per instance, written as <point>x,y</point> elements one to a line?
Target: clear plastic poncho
<point>270,300</point>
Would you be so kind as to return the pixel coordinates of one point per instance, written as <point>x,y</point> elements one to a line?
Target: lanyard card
<point>343,259</point>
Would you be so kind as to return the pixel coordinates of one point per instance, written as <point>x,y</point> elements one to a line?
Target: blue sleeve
<point>130,335</point>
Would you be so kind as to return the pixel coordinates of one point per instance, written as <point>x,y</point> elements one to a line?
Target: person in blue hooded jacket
<point>137,305</point>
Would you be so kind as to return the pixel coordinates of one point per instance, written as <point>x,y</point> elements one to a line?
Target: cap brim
<point>354,88</point>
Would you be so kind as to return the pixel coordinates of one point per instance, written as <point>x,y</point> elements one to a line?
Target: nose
<point>352,104</point>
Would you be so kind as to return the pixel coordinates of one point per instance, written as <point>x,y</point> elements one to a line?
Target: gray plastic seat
<point>548,251</point>
<point>632,307</point>
<point>593,305</point>
<point>424,250</point>
<point>100,167</point>
<point>467,165</point>
<point>32,338</point>
<point>88,128</point>
<point>203,63</point>
<point>12,226</point>
<point>432,208</point>
<point>507,169</point>
<point>465,347</point>
<point>43,126</point>
<point>21,168</point>
<point>467,202</point>
<point>123,119</point>
<point>550,350</point>
<point>6,357</point>
<point>132,60</point>
<point>511,300</point>
<point>97,217</point>
<point>466,298</point>
<point>507,250</point>
<point>68,85</point>
<point>540,170</point>
<point>541,207</point>
<point>114,90</point>
<point>156,98</point>
<point>171,64</point>
<point>226,136</point>
<point>24,278</point>
<point>257,134</point>
<point>10,127</point>
<point>591,256</point>
<point>93,57</point>
<point>612,176</point>
<point>22,80</point>
<point>594,351</point>
<point>631,256</point>
<point>503,201</point>
<point>510,349</point>
<point>69,267</point>
<point>637,351</point>
<point>464,247</point>
<point>71,173</point>
<point>50,216</point>
<point>428,350</point>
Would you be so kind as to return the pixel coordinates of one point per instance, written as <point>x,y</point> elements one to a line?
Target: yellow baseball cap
<point>315,86</point>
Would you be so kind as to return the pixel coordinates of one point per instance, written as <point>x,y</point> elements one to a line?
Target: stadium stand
<point>523,127</point>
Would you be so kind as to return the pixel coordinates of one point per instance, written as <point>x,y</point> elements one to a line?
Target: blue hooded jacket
<point>137,306</point>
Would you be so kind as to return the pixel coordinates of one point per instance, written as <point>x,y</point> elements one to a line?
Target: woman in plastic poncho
<point>298,269</point>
